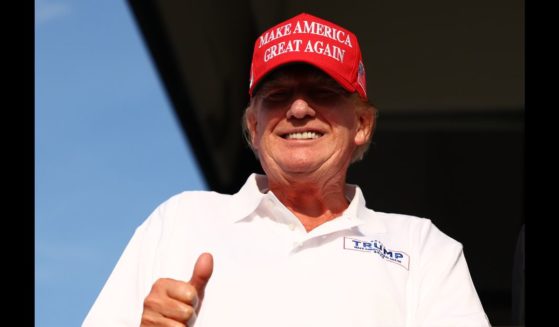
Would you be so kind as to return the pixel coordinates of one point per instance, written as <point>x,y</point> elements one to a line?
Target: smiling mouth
<point>302,136</point>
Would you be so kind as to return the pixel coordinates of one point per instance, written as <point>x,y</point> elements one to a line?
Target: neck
<point>314,203</point>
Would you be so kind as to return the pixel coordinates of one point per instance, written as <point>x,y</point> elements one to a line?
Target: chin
<point>300,167</point>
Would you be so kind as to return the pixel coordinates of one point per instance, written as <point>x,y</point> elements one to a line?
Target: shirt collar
<point>248,197</point>
<point>255,189</point>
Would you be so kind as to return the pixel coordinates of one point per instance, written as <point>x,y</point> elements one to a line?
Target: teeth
<point>303,136</point>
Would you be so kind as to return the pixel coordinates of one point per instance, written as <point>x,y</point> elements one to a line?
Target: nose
<point>299,109</point>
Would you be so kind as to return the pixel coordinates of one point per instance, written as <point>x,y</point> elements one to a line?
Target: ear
<point>251,126</point>
<point>365,126</point>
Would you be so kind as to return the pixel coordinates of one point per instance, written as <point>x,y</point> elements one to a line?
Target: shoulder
<point>423,227</point>
<point>192,200</point>
<point>187,208</point>
<point>396,221</point>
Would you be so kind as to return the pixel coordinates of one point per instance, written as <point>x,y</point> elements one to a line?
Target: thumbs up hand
<point>176,303</point>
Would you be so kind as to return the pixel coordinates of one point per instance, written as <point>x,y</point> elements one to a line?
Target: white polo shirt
<point>364,268</point>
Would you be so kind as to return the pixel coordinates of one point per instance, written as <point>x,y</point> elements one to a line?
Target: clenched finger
<point>152,319</point>
<point>185,293</point>
<point>170,308</point>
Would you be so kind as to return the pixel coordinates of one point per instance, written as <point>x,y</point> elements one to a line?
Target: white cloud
<point>47,11</point>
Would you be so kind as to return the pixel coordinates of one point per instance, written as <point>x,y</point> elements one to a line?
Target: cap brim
<point>281,63</point>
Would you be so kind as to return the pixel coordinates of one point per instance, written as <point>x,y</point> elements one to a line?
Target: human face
<point>303,122</point>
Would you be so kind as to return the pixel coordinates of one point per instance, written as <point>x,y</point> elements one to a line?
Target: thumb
<point>202,272</point>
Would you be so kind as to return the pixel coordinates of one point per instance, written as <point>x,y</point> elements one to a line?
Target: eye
<point>322,94</point>
<point>277,96</point>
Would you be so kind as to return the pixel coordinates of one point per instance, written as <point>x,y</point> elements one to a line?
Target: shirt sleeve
<point>120,302</point>
<point>446,295</point>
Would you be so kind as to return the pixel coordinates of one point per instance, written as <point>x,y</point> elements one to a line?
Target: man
<point>296,247</point>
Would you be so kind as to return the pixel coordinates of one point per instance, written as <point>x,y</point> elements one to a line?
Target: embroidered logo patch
<point>394,256</point>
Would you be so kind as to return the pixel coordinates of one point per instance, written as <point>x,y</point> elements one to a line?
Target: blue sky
<point>108,150</point>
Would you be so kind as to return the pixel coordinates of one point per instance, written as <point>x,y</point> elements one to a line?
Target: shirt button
<point>291,227</point>
<point>297,244</point>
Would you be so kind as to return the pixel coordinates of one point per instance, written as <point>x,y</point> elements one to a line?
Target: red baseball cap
<point>315,41</point>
